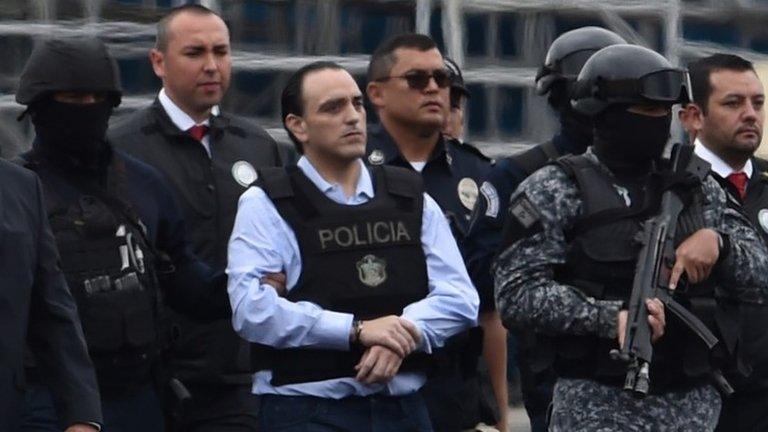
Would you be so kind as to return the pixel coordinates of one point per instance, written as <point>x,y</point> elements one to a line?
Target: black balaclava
<point>576,127</point>
<point>76,131</point>
<point>629,141</point>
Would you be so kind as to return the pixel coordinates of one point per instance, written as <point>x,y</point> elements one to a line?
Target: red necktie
<point>739,181</point>
<point>198,131</point>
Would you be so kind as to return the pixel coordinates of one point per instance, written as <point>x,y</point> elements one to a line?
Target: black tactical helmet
<point>79,64</point>
<point>569,52</point>
<point>458,88</point>
<point>628,74</point>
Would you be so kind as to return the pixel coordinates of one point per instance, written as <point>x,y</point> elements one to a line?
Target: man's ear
<point>695,116</point>
<point>157,59</point>
<point>375,93</point>
<point>297,126</point>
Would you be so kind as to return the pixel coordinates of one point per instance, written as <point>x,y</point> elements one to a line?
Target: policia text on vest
<point>363,234</point>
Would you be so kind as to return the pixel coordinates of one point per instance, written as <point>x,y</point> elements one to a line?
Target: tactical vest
<point>753,339</point>
<point>366,260</point>
<point>108,263</point>
<point>601,255</point>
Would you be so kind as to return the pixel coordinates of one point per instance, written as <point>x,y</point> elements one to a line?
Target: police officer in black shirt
<point>564,60</point>
<point>408,86</point>
<point>727,117</point>
<point>209,157</point>
<point>117,227</point>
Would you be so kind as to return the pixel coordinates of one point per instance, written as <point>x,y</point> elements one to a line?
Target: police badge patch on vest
<point>372,270</point>
<point>468,191</point>
<point>244,173</point>
<point>762,217</point>
<point>376,157</point>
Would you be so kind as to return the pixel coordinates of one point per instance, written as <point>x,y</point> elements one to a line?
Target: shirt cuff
<point>608,318</point>
<point>332,330</point>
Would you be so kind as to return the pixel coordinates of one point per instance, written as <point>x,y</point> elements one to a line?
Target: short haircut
<point>292,98</point>
<point>384,57</point>
<point>161,39</point>
<point>701,70</point>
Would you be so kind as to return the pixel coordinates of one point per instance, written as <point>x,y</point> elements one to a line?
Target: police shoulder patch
<point>524,211</point>
<point>491,199</point>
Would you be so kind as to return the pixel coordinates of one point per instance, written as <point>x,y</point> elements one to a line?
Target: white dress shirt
<point>719,166</point>
<point>183,121</point>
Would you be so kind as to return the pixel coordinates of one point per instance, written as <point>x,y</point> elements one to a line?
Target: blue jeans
<point>352,414</point>
<point>138,411</point>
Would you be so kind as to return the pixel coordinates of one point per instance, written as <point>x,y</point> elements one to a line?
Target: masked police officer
<point>727,116</point>
<point>409,87</point>
<point>209,158</point>
<point>375,281</point>
<point>553,275</point>
<point>117,227</point>
<point>555,78</point>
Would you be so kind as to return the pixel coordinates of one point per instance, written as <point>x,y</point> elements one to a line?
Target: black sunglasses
<point>419,79</point>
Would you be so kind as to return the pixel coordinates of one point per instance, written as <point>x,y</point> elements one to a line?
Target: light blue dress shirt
<point>262,242</point>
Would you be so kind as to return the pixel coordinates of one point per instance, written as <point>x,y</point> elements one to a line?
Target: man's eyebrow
<point>331,102</point>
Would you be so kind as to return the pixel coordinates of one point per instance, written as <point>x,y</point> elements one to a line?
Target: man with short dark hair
<point>409,87</point>
<point>374,280</point>
<point>726,117</point>
<point>209,158</point>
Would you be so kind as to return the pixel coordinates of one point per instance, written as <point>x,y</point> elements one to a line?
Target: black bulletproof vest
<point>601,257</point>
<point>753,318</point>
<point>365,259</point>
<point>109,267</point>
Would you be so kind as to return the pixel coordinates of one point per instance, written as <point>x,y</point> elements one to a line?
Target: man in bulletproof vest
<point>408,85</point>
<point>374,279</point>
<point>570,252</point>
<point>209,157</point>
<point>726,117</point>
<point>117,227</point>
<point>555,78</point>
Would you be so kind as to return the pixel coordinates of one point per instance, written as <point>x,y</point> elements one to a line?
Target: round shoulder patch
<point>376,157</point>
<point>468,192</point>
<point>244,173</point>
<point>762,217</point>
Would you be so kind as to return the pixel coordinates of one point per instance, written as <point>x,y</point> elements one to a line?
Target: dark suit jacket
<point>207,189</point>
<point>37,307</point>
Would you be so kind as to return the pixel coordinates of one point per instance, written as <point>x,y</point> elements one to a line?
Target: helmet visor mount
<point>567,67</point>
<point>666,86</point>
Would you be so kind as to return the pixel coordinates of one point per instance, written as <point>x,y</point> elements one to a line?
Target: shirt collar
<point>381,142</point>
<point>179,118</point>
<point>364,186</point>
<point>719,166</point>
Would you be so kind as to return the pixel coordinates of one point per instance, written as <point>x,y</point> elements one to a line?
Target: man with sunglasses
<point>408,86</point>
<point>726,120</point>
<point>570,253</point>
<point>564,60</point>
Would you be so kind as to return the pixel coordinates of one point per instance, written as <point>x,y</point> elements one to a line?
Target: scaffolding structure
<point>498,43</point>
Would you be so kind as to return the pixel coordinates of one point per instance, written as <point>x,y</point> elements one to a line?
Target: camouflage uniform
<point>527,295</point>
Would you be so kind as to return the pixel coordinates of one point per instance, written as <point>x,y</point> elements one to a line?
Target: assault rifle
<point>653,271</point>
